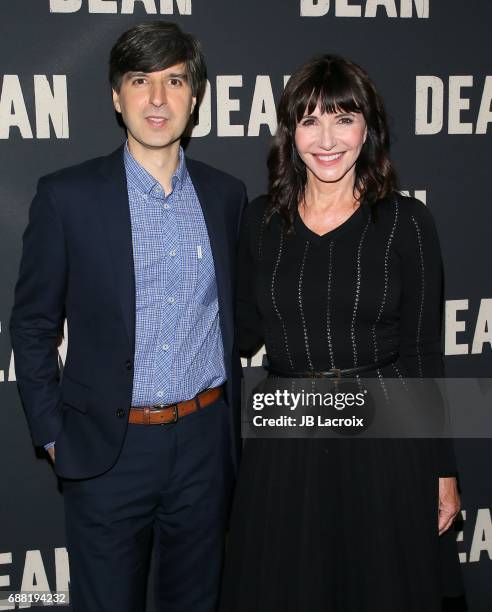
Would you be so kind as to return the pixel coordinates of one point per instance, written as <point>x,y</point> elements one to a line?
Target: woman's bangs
<point>305,100</point>
<point>332,94</point>
<point>338,98</point>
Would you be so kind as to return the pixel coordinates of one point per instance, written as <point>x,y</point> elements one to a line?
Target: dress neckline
<point>304,229</point>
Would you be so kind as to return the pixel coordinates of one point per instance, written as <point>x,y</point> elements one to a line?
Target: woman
<point>337,270</point>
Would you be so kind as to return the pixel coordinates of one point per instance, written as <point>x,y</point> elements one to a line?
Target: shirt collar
<point>143,181</point>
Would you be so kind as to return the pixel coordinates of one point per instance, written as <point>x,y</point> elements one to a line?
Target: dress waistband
<point>335,372</point>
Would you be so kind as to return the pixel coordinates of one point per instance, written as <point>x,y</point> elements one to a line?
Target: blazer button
<point>128,365</point>
<point>120,413</point>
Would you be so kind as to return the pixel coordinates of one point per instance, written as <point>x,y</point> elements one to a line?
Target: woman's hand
<point>449,503</point>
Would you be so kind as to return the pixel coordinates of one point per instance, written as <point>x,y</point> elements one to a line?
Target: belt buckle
<point>175,414</point>
<point>165,406</point>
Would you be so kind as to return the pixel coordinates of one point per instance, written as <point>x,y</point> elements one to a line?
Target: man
<point>137,251</point>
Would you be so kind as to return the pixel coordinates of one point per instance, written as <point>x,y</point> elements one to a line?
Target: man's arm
<point>38,314</point>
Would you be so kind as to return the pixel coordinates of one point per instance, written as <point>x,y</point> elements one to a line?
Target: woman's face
<point>330,143</point>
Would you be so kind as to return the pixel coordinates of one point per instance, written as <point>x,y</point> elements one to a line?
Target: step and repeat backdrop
<point>430,60</point>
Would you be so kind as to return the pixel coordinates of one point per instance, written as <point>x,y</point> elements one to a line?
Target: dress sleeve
<point>421,300</point>
<point>421,307</point>
<point>249,327</point>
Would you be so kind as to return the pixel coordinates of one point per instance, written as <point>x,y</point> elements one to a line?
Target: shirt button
<point>172,253</point>
<point>170,299</point>
<point>160,393</point>
<point>165,347</point>
<point>166,206</point>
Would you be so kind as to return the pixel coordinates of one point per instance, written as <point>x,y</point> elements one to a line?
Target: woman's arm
<point>249,326</point>
<point>421,305</point>
<point>420,330</point>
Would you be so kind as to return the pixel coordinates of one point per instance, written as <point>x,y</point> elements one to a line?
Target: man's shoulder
<point>83,173</point>
<point>202,171</point>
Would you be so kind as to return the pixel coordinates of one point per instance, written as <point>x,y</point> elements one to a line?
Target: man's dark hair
<point>337,85</point>
<point>153,46</point>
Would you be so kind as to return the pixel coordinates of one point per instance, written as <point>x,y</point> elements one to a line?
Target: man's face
<point>155,106</point>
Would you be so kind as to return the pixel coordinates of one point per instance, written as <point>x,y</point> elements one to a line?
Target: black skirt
<point>338,526</point>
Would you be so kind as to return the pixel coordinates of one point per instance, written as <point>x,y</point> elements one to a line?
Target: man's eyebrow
<point>131,74</point>
<point>173,75</point>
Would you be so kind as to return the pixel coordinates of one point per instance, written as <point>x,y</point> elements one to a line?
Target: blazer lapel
<point>115,213</point>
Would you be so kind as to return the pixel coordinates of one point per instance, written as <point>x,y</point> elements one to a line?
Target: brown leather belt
<point>170,413</point>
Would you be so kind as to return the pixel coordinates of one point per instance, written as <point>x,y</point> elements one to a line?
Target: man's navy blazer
<point>77,263</point>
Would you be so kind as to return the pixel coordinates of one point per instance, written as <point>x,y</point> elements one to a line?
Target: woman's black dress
<point>341,525</point>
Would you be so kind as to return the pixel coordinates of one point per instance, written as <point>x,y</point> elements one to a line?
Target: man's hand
<point>449,503</point>
<point>51,453</point>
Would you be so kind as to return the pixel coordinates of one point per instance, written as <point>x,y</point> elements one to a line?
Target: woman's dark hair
<point>153,46</point>
<point>337,85</point>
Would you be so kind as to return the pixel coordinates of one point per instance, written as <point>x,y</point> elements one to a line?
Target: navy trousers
<point>169,490</point>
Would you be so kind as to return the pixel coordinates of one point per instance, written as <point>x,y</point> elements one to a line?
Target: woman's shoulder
<point>406,209</point>
<point>256,211</point>
<point>410,223</point>
<point>259,205</point>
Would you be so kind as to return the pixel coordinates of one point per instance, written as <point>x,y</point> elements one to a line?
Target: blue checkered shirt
<point>178,343</point>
